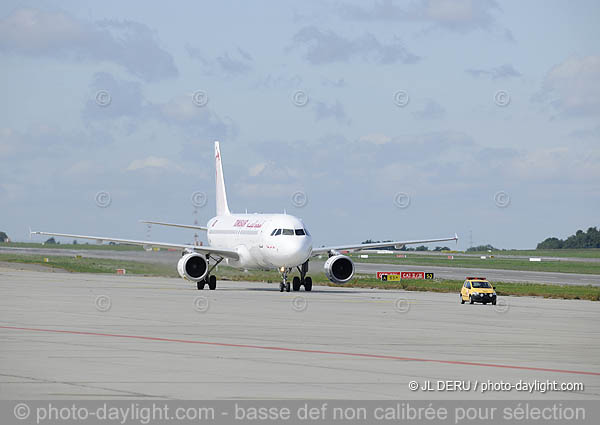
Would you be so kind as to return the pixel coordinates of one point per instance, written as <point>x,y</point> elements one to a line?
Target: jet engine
<point>339,269</point>
<point>192,266</point>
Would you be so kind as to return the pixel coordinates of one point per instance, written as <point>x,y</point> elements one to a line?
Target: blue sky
<point>497,133</point>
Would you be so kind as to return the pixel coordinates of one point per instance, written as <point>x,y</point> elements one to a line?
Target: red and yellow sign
<point>394,276</point>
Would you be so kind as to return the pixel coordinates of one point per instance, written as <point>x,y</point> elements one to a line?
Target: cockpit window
<point>306,232</point>
<point>290,232</point>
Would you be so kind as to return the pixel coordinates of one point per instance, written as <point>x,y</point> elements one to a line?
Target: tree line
<point>581,239</point>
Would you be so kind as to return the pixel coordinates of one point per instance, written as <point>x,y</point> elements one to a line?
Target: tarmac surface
<point>93,336</point>
<point>316,265</point>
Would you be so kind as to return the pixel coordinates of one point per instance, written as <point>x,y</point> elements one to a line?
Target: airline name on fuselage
<point>247,223</point>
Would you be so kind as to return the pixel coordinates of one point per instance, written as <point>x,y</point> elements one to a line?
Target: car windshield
<point>481,285</point>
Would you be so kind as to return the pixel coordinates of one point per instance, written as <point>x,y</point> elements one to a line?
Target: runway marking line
<point>301,350</point>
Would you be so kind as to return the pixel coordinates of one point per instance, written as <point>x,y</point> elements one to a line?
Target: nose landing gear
<point>297,282</point>
<point>284,284</point>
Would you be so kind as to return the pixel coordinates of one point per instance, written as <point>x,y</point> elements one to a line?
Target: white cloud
<point>498,72</point>
<point>376,138</point>
<point>257,169</point>
<point>573,86</point>
<point>557,164</point>
<point>8,145</point>
<point>430,111</point>
<point>236,63</point>
<point>55,34</point>
<point>129,109</point>
<point>152,162</point>
<point>324,47</point>
<point>336,111</point>
<point>183,112</point>
<point>454,15</point>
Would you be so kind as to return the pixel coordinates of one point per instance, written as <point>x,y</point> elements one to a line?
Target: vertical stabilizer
<point>221,195</point>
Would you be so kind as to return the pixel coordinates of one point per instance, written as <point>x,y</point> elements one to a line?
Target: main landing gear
<point>297,282</point>
<point>210,280</point>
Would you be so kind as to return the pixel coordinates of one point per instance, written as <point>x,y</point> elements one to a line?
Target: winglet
<point>456,238</point>
<point>30,232</point>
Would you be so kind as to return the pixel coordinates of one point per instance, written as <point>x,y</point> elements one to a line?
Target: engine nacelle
<point>339,269</point>
<point>192,266</point>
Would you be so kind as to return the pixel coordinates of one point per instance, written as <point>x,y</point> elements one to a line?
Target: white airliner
<point>254,241</point>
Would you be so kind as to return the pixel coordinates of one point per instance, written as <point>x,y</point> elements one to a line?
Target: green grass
<point>488,263</point>
<point>93,265</point>
<point>80,246</point>
<point>586,292</point>
<point>573,253</point>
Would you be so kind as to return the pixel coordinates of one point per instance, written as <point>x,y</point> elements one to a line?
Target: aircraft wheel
<point>308,284</point>
<point>281,286</point>
<point>296,284</point>
<point>287,287</point>
<point>200,285</point>
<point>212,282</point>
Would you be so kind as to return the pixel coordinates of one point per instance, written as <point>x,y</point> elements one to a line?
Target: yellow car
<point>477,290</point>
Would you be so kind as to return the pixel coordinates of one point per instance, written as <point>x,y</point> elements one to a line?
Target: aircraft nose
<point>296,251</point>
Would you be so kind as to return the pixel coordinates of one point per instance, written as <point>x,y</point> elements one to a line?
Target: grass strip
<point>97,265</point>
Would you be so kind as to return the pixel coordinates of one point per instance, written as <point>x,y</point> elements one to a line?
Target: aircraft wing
<point>185,226</point>
<point>201,249</point>
<point>397,244</point>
